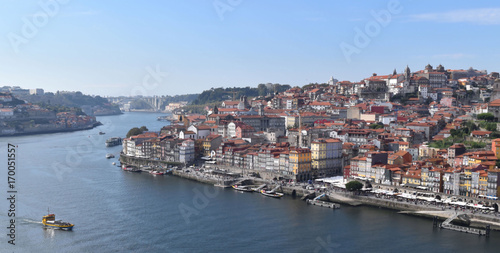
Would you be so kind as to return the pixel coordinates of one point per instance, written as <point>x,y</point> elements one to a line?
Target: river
<point>117,211</point>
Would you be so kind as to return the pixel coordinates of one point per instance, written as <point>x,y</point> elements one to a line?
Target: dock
<point>317,202</point>
<point>323,204</point>
<point>447,225</point>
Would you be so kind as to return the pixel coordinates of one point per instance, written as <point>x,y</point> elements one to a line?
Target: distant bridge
<point>156,103</point>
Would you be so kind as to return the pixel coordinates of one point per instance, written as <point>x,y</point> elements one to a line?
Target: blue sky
<point>176,47</point>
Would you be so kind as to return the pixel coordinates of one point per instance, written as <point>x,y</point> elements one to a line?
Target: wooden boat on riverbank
<point>242,188</point>
<point>271,194</point>
<point>130,169</point>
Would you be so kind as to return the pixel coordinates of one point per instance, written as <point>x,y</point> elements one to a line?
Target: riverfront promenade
<point>411,207</point>
<point>225,177</point>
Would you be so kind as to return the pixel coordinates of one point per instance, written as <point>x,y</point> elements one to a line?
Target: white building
<point>186,152</point>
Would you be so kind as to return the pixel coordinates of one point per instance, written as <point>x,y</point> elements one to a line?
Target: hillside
<point>221,94</point>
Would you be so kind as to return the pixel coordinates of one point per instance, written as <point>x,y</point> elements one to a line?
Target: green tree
<point>354,186</point>
<point>486,116</point>
<point>143,129</point>
<point>379,125</point>
<point>262,89</point>
<point>134,131</point>
<point>491,126</point>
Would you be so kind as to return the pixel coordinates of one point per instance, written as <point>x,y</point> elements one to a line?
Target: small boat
<point>49,220</point>
<point>114,163</point>
<point>157,172</point>
<point>109,156</point>
<point>130,168</point>
<point>271,194</point>
<point>101,133</point>
<point>242,188</point>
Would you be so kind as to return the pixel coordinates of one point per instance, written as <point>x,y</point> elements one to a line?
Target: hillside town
<point>19,117</point>
<point>431,129</point>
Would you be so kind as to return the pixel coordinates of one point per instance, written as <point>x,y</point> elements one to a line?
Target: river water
<point>117,211</point>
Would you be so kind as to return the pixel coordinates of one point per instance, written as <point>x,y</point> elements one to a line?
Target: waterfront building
<point>300,163</point>
<point>326,157</point>
<point>133,146</point>
<point>412,178</point>
<point>186,152</point>
<point>451,181</point>
<point>493,184</point>
<point>483,183</point>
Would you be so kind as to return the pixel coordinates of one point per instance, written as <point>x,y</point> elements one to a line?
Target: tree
<point>134,131</point>
<point>486,116</point>
<point>144,128</point>
<point>262,89</point>
<point>378,125</point>
<point>491,126</point>
<point>354,186</point>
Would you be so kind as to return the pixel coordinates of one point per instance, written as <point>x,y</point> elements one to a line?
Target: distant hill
<point>90,104</point>
<point>222,94</point>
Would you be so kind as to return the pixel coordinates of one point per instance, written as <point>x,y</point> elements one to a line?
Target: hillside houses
<point>382,129</point>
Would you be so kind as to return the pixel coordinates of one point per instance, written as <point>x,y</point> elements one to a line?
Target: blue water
<point>117,211</point>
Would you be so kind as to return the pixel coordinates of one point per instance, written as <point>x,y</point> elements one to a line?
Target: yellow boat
<point>49,220</point>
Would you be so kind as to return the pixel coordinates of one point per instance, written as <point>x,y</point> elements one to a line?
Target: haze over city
<point>126,48</point>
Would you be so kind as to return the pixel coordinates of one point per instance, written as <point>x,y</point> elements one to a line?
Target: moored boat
<point>271,194</point>
<point>130,168</point>
<point>242,188</point>
<point>157,172</point>
<point>49,220</point>
<point>109,156</point>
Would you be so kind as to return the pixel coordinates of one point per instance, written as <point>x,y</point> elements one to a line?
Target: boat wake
<point>30,221</point>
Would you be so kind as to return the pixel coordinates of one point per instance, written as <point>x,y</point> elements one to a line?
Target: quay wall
<point>337,197</point>
<point>350,199</point>
<point>135,161</point>
<point>427,211</point>
<point>192,176</point>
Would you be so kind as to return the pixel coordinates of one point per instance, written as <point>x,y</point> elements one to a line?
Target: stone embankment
<point>409,207</point>
<point>340,196</point>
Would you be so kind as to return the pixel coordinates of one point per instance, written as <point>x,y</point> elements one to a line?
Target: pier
<point>318,202</point>
<point>322,203</point>
<point>447,225</point>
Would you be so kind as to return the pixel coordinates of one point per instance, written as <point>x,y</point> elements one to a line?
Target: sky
<point>126,48</point>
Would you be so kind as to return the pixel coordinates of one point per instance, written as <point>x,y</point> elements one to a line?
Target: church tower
<point>495,94</point>
<point>407,73</point>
